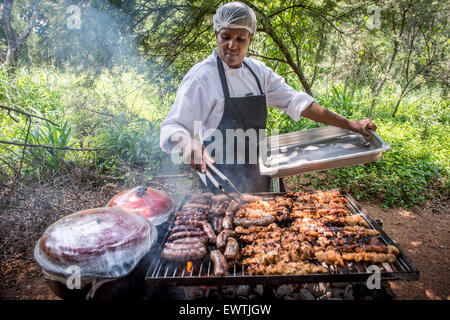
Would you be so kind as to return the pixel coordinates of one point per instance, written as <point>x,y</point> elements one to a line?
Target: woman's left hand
<point>362,126</point>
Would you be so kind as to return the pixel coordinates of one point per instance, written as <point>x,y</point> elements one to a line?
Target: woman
<point>228,92</point>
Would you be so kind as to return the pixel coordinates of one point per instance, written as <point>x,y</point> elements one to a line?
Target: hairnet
<point>235,15</point>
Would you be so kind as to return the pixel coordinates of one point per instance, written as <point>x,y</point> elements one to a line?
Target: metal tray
<point>318,149</point>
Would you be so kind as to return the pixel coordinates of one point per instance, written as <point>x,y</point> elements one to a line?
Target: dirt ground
<point>423,234</point>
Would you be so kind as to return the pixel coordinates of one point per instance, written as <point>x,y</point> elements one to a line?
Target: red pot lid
<point>147,201</point>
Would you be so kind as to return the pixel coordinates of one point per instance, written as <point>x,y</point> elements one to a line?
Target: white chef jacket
<point>200,97</point>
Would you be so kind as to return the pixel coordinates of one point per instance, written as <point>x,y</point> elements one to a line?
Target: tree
<point>425,50</point>
<point>15,42</point>
<point>293,35</point>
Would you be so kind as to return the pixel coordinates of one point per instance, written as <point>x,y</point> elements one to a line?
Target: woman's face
<point>232,45</point>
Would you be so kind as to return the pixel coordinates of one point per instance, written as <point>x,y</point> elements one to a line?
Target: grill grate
<point>163,272</point>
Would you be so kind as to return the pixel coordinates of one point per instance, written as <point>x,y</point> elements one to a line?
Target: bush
<point>118,111</point>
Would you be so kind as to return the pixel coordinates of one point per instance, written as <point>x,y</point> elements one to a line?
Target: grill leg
<point>278,185</point>
<point>282,186</point>
<point>275,185</point>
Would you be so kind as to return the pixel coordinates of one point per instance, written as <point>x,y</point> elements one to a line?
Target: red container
<point>151,203</point>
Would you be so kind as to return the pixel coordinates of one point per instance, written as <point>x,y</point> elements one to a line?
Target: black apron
<point>244,113</point>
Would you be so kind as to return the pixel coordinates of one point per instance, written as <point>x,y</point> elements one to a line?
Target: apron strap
<point>223,79</point>
<point>254,75</point>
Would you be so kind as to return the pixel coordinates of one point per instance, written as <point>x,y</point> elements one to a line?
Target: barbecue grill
<point>163,272</point>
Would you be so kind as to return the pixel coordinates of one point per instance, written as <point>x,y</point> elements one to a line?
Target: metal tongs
<point>216,184</point>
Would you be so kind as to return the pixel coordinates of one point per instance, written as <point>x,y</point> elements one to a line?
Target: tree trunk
<point>388,70</point>
<point>397,105</point>
<point>268,28</point>
<point>15,43</point>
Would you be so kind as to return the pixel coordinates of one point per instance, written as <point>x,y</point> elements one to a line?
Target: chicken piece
<point>319,269</point>
<point>320,256</point>
<point>348,256</point>
<point>355,220</point>
<point>381,257</point>
<point>376,246</point>
<point>393,250</point>
<point>391,258</point>
<point>323,241</point>
<point>360,256</point>
<point>332,257</point>
<point>306,251</point>
<point>370,257</point>
<point>270,257</point>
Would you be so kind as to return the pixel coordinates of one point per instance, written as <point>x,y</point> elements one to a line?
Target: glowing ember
<point>189,266</point>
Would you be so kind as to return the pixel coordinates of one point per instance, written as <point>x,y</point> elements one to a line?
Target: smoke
<point>90,36</point>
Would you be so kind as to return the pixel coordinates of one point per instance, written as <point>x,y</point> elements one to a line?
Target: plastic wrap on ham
<point>151,203</point>
<point>99,243</point>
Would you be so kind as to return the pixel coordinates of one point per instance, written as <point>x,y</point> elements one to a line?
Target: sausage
<point>190,219</point>
<point>217,224</point>
<point>209,232</point>
<point>220,264</point>
<point>221,209</point>
<point>200,239</point>
<point>187,211</point>
<point>183,254</point>
<point>232,248</point>
<point>193,210</point>
<point>254,222</point>
<point>186,215</point>
<point>227,223</point>
<point>221,240</point>
<point>234,205</point>
<point>182,245</point>
<point>185,234</point>
<point>189,205</point>
<point>214,206</point>
<point>184,228</point>
<point>194,223</point>
<point>220,197</point>
<point>251,198</point>
<point>189,215</point>
<point>203,198</point>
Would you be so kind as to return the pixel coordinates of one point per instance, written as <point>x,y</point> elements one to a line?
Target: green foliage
<point>33,94</point>
<point>118,112</point>
<point>135,142</point>
<point>47,134</point>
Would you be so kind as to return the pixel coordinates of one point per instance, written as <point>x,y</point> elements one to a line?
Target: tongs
<point>216,184</point>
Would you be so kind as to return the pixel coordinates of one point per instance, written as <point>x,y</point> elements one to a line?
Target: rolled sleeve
<point>300,102</point>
